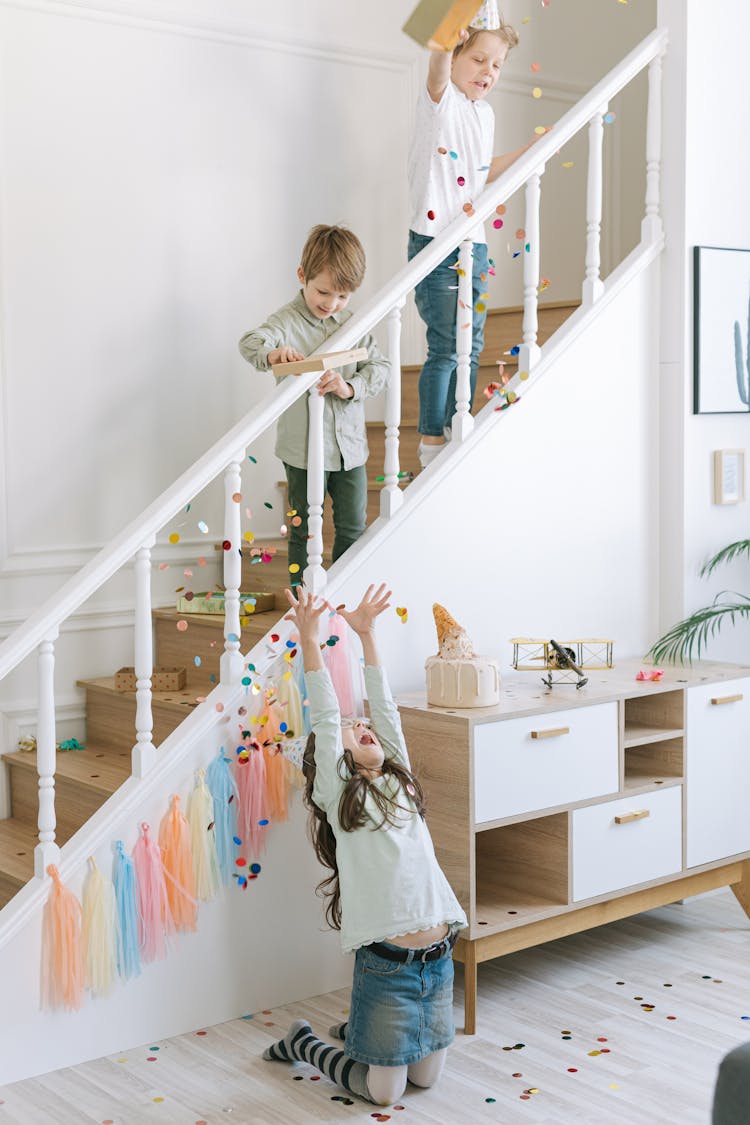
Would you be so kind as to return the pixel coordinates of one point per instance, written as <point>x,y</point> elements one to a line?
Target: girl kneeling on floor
<point>386,893</point>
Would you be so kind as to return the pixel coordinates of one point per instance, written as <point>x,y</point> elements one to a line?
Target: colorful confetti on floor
<point>622,1025</point>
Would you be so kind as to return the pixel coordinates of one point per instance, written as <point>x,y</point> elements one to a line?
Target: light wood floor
<point>690,962</point>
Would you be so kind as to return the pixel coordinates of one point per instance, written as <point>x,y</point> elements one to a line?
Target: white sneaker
<point>428,453</point>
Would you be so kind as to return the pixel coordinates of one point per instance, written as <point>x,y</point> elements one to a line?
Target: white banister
<point>651,227</point>
<point>391,497</point>
<point>124,546</point>
<point>231,658</point>
<point>315,576</point>
<point>144,753</point>
<point>463,423</point>
<point>529,352</point>
<point>593,286</point>
<point>46,851</point>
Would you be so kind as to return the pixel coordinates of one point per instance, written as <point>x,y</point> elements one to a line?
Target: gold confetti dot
<point>540,130</point>
<point>536,92</point>
<point>174,537</point>
<point>523,375</point>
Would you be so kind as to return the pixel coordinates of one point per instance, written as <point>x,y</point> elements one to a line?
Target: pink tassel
<point>338,660</point>
<point>62,947</point>
<point>177,858</point>
<point>153,904</point>
<point>253,797</point>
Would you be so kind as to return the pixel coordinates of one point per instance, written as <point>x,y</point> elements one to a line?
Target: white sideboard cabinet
<point>562,809</point>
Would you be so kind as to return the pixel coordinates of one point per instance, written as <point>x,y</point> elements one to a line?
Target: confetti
<point>197,661</point>
<point>226,545</point>
<point>460,181</point>
<point>535,68</point>
<point>182,626</point>
<point>174,537</point>
<point>453,155</point>
<point>610,118</point>
<point>253,459</point>
<point>540,130</point>
<point>520,234</point>
<point>497,224</point>
<point>203,526</point>
<point>499,210</point>
<point>201,562</point>
<point>293,568</point>
<point>248,536</point>
<point>536,93</point>
<point>468,208</point>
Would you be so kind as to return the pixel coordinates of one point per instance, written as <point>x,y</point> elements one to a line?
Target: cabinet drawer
<point>718,771</point>
<point>538,762</point>
<point>608,855</point>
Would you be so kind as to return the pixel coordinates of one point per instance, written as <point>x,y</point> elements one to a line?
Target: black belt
<point>429,953</point>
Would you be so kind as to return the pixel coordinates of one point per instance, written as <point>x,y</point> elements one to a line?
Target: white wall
<point>707,168</point>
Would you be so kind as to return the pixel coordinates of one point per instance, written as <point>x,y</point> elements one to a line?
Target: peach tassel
<point>177,858</point>
<point>62,947</point>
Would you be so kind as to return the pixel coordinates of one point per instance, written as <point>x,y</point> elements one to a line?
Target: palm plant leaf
<point>691,634</point>
<point>726,555</point>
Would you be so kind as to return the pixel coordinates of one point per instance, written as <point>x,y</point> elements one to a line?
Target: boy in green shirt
<point>332,267</point>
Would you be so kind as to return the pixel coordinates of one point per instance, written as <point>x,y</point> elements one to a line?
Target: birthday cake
<point>457,676</point>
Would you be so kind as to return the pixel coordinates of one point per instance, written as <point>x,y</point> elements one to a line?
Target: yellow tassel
<point>99,931</point>
<point>203,839</point>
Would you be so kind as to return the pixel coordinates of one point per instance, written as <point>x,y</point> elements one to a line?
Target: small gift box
<point>162,679</point>
<point>438,22</point>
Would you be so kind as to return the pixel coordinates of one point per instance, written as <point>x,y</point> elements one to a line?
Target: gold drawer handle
<point>727,699</point>
<point>627,818</point>
<point>553,732</point>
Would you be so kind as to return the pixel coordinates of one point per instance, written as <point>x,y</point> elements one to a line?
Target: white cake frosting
<point>457,677</point>
<point>471,682</point>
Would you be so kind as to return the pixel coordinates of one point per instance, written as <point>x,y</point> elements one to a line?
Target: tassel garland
<point>62,947</point>
<point>155,916</point>
<point>203,839</point>
<point>99,928</point>
<point>225,795</point>
<point>177,859</point>
<point>126,904</point>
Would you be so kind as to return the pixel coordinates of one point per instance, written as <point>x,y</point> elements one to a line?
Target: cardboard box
<point>202,603</point>
<point>439,21</point>
<point>162,679</point>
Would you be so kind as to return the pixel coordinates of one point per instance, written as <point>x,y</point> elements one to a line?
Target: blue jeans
<point>437,303</point>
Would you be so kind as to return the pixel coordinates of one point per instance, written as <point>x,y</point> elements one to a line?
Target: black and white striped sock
<point>338,1030</point>
<point>300,1043</point>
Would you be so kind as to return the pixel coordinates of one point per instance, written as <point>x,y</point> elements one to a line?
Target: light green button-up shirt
<point>344,433</point>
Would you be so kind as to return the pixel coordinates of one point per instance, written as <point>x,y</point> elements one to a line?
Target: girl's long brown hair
<point>352,814</point>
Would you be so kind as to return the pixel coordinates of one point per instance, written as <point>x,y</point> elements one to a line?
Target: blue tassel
<point>128,951</point>
<point>226,799</point>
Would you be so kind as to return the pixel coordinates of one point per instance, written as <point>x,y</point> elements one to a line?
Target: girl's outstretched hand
<point>362,619</point>
<point>305,613</point>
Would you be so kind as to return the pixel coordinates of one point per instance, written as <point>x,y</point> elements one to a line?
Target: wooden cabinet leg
<point>470,988</point>
<point>742,889</point>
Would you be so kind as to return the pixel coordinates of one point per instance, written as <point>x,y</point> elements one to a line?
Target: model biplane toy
<point>564,662</point>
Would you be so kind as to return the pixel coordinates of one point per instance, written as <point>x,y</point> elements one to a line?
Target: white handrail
<point>124,546</point>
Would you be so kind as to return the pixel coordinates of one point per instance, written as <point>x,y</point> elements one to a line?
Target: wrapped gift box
<point>439,21</point>
<point>214,603</point>
<point>162,679</point>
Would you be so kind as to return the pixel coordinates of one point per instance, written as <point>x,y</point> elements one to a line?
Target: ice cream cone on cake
<point>456,676</point>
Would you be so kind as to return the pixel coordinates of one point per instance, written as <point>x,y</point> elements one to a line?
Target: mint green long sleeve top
<point>389,877</point>
<point>344,431</point>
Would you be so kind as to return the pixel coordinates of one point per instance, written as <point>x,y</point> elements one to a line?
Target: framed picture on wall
<point>729,476</point>
<point>721,322</point>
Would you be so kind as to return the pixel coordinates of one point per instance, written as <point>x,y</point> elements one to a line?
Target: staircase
<point>86,778</point>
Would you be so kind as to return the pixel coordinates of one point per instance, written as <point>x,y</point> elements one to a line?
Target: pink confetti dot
<point>497,224</point>
<point>181,626</point>
<point>460,181</point>
<point>572,1070</point>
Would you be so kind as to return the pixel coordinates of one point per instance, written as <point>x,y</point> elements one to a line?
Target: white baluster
<point>315,576</point>
<point>593,286</point>
<point>529,352</point>
<point>143,756</point>
<point>463,423</point>
<point>46,851</point>
<point>651,227</point>
<point>231,660</point>
<point>391,497</point>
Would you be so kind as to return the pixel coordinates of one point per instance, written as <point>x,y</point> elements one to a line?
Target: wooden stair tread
<point>95,769</point>
<point>174,700</point>
<point>264,619</point>
<point>17,842</point>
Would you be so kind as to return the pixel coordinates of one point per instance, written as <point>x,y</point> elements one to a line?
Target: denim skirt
<point>400,1013</point>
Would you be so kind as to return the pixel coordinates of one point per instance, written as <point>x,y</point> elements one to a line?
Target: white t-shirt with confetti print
<point>449,159</point>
